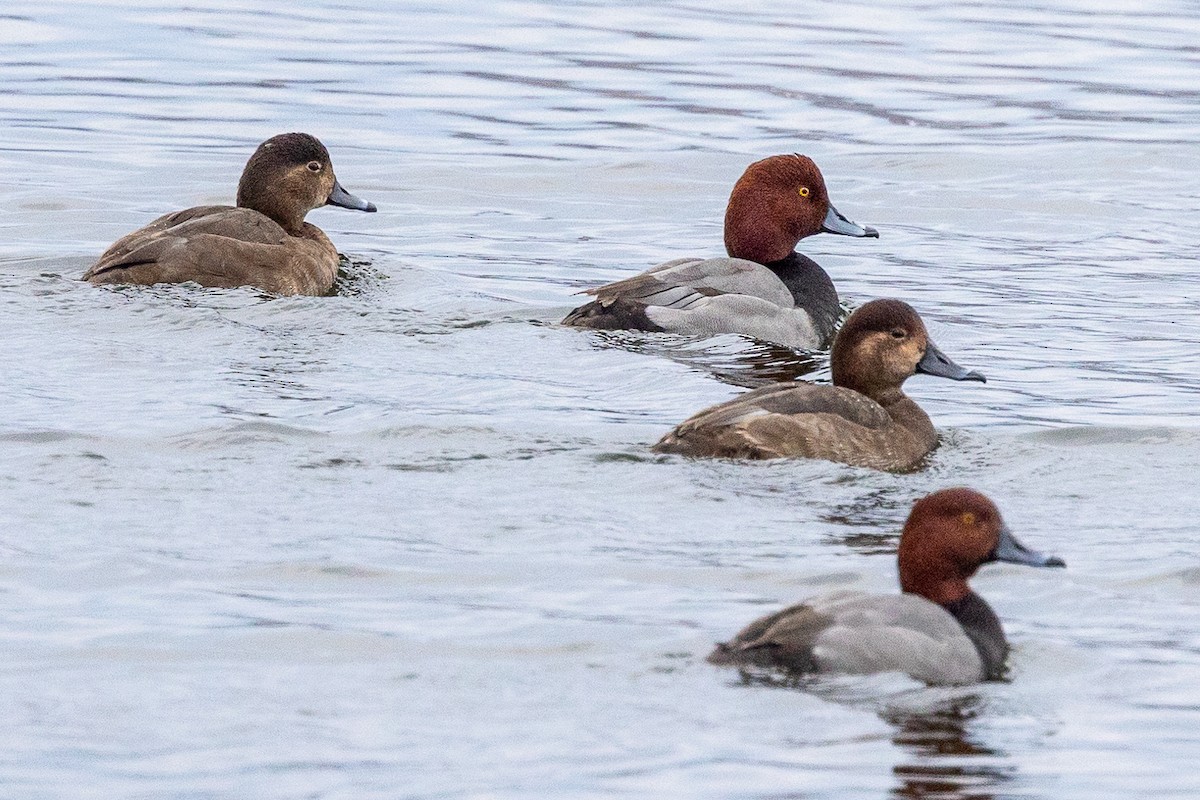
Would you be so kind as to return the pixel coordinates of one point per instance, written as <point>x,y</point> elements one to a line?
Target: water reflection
<point>938,754</point>
<point>279,374</point>
<point>941,758</point>
<point>729,358</point>
<point>875,519</point>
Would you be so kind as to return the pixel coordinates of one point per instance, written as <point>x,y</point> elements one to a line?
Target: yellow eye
<point>968,518</point>
<point>804,191</point>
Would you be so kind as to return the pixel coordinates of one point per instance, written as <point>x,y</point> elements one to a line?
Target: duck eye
<point>968,518</point>
<point>314,166</point>
<point>804,191</point>
<point>898,333</point>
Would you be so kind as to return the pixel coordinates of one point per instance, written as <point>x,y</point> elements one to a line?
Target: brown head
<point>776,203</point>
<point>881,345</point>
<point>288,176</point>
<point>948,535</point>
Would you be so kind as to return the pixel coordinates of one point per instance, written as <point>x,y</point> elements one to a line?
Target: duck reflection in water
<point>941,758</point>
<point>733,359</point>
<point>938,756</point>
<point>868,520</point>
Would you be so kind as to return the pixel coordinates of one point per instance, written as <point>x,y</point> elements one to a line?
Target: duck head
<point>948,536</point>
<point>881,345</point>
<point>288,176</point>
<point>776,203</point>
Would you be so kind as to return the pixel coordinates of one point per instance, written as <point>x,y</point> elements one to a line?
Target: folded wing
<point>683,282</point>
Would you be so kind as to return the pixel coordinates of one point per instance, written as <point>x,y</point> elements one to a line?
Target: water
<point>408,541</point>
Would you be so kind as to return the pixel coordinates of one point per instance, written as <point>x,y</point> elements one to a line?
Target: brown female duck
<point>864,418</point>
<point>262,242</point>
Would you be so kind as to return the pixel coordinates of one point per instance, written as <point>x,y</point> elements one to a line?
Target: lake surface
<point>408,541</point>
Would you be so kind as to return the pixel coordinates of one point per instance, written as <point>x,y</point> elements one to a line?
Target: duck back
<point>223,247</point>
<point>805,420</point>
<point>858,633</point>
<point>712,296</point>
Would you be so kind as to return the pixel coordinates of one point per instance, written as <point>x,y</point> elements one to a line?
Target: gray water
<point>408,541</point>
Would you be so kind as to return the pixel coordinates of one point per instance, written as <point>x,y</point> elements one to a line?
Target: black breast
<point>982,627</point>
<point>811,289</point>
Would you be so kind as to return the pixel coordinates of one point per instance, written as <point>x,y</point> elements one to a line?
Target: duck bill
<point>1010,550</point>
<point>935,362</point>
<point>340,197</point>
<point>836,223</point>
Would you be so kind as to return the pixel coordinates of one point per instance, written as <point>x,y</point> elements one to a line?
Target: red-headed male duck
<point>864,419</point>
<point>765,289</point>
<point>938,631</point>
<point>263,242</point>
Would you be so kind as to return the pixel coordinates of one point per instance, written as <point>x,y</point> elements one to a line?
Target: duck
<point>764,289</point>
<point>262,242</point>
<point>863,419</point>
<point>937,631</point>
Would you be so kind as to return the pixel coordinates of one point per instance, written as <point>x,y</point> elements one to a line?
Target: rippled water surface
<point>408,541</point>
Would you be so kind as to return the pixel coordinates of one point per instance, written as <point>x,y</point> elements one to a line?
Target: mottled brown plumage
<point>262,242</point>
<point>863,419</point>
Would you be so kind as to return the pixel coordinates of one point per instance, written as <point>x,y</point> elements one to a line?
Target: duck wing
<point>859,633</point>
<point>165,234</point>
<point>895,633</point>
<point>704,297</point>
<point>221,246</point>
<point>681,283</point>
<point>781,420</point>
<point>796,398</point>
<point>784,639</point>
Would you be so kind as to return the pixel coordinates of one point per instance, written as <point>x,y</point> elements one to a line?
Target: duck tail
<point>612,314</point>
